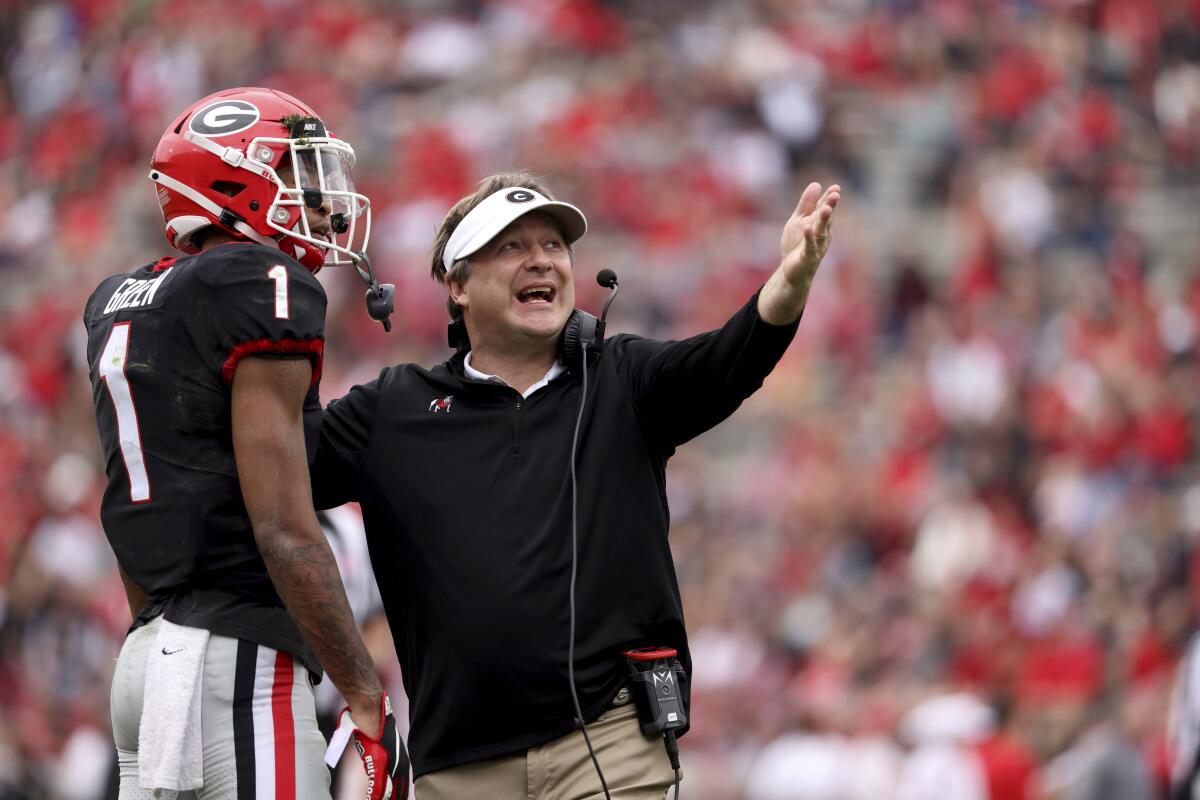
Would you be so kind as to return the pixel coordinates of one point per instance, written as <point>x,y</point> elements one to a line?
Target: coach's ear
<point>458,291</point>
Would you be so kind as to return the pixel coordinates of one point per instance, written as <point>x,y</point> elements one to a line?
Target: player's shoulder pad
<point>239,262</point>
<point>101,301</point>
<point>251,293</point>
<point>103,290</point>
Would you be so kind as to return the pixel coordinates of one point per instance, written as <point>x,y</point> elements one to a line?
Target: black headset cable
<point>574,570</point>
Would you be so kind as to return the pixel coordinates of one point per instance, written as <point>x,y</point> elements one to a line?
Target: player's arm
<point>133,593</point>
<point>803,244</point>
<point>268,442</point>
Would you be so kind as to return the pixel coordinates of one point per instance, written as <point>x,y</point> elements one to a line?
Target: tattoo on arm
<point>308,580</point>
<point>272,467</point>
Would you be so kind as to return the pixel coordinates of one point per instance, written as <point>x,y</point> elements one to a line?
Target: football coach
<point>515,501</point>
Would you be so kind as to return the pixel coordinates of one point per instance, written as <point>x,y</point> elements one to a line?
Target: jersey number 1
<point>112,372</point>
<point>279,274</point>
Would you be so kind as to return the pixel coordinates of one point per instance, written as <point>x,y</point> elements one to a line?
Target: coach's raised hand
<point>803,244</point>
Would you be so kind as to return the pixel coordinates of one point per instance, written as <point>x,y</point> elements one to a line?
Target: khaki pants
<point>635,767</point>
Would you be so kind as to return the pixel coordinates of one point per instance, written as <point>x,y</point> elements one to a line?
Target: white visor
<point>498,211</point>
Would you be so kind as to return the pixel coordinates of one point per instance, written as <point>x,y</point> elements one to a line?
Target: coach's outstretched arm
<point>803,244</point>
<point>272,464</point>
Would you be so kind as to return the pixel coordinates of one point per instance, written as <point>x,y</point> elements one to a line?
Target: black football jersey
<point>163,344</point>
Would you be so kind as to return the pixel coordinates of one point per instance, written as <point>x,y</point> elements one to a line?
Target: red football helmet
<point>249,160</point>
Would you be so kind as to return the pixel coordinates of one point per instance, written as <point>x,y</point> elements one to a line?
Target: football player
<point>204,370</point>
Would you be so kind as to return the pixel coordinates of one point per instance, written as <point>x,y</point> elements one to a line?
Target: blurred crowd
<point>946,552</point>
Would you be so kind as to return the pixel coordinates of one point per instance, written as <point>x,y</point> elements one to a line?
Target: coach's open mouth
<point>537,294</point>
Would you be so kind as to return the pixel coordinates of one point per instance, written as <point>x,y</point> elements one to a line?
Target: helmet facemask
<point>316,171</point>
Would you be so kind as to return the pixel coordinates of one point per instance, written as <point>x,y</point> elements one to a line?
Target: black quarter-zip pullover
<point>465,488</point>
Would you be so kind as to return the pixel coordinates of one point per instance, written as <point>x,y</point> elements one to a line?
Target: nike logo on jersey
<point>133,293</point>
<point>167,652</point>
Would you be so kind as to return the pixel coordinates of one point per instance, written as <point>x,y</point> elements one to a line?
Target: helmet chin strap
<point>250,233</point>
<point>226,217</point>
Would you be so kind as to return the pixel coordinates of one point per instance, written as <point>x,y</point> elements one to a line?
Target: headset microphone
<point>380,296</point>
<point>608,279</point>
<point>583,333</point>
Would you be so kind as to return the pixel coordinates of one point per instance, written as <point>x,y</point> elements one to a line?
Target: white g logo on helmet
<point>223,118</point>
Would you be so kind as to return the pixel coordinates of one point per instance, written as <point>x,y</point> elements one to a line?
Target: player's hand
<point>384,756</point>
<point>806,235</point>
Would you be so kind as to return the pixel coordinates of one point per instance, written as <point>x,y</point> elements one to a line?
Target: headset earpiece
<point>456,334</point>
<point>581,327</point>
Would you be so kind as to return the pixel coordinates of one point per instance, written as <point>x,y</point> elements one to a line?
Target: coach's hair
<point>461,269</point>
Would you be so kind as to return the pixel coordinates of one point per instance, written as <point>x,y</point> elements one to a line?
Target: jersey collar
<point>555,370</point>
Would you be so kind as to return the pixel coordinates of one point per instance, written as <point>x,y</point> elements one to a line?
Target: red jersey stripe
<point>285,727</point>
<point>313,347</point>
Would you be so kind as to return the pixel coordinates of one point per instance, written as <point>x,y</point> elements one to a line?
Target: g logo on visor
<point>519,196</point>
<point>223,118</point>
